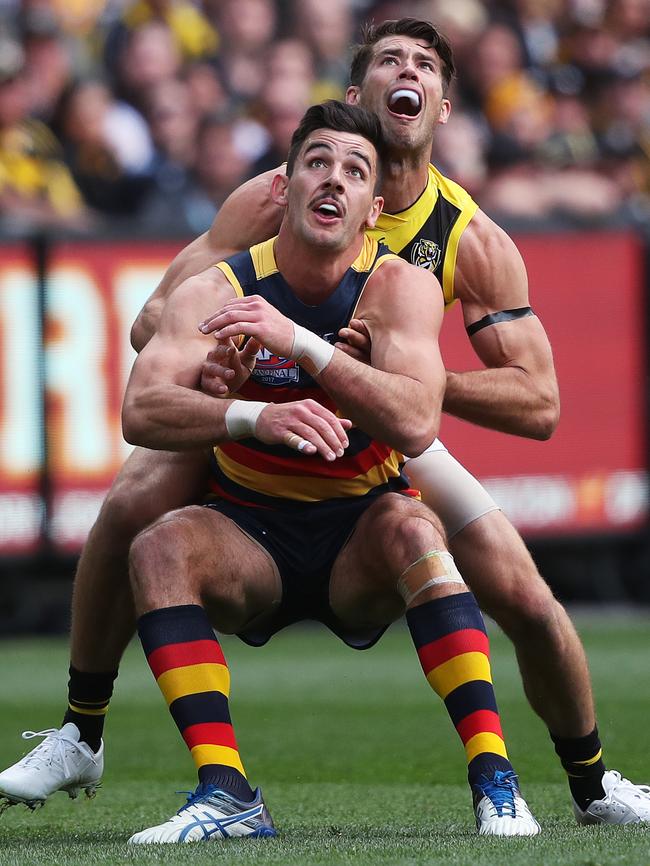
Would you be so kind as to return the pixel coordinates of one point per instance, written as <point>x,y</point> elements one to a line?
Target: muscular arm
<point>517,391</point>
<point>398,398</point>
<point>162,409</point>
<point>248,216</point>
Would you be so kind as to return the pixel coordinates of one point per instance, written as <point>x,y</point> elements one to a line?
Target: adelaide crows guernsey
<point>252,473</point>
<point>427,233</point>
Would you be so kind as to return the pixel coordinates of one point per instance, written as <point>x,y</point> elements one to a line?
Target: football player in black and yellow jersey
<point>312,518</point>
<point>402,71</point>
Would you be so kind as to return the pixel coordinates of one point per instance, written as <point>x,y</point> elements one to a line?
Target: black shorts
<point>304,545</point>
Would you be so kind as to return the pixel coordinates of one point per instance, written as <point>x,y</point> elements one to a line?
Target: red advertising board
<point>587,289</point>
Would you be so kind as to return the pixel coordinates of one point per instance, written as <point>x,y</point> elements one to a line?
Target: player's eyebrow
<point>315,145</point>
<point>400,52</point>
<point>363,157</point>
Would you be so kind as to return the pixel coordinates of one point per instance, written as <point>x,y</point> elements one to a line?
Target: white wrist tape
<point>241,418</point>
<point>310,351</point>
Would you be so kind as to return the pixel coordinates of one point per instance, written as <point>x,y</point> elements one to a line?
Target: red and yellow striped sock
<point>453,648</point>
<point>191,671</point>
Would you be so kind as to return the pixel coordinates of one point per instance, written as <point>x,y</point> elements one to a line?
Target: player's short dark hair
<point>339,117</point>
<point>412,27</point>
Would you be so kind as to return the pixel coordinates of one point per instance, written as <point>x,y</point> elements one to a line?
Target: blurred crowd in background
<point>149,113</point>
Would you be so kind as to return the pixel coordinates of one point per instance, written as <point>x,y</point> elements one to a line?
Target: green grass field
<point>356,757</point>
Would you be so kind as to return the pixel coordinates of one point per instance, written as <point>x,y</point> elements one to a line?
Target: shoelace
<point>500,790</point>
<point>46,753</point>
<point>642,791</point>
<point>201,793</point>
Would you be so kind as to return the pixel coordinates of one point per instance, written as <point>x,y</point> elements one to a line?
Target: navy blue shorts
<point>304,545</point>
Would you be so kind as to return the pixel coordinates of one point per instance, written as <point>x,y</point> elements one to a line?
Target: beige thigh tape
<point>449,489</point>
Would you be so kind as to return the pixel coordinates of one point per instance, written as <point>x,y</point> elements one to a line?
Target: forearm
<point>507,399</point>
<point>173,418</point>
<point>391,408</point>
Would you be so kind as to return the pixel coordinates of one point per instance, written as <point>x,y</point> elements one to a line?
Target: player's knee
<point>405,530</point>
<point>526,607</point>
<point>126,511</point>
<point>160,556</point>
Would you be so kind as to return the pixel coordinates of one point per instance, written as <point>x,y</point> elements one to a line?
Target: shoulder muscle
<point>490,272</point>
<point>247,217</point>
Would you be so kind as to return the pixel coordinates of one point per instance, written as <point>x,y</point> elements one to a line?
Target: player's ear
<point>352,95</point>
<point>375,210</point>
<point>279,189</point>
<point>445,111</point>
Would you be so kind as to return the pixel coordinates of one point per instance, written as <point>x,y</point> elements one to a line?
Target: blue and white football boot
<point>500,809</point>
<point>211,815</point>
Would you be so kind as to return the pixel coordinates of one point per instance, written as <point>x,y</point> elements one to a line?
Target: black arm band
<point>495,318</point>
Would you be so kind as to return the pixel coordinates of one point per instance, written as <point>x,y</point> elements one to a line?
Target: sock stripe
<point>210,733</point>
<point>485,743</point>
<point>468,697</point>
<point>194,679</point>
<point>437,652</point>
<point>178,655</point>
<point>206,706</point>
<point>453,613</point>
<point>95,705</point>
<point>173,625</point>
<point>594,760</point>
<point>477,722</point>
<point>458,671</point>
<point>86,711</point>
<point>212,754</point>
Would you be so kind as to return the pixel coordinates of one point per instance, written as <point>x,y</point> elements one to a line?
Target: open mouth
<point>328,209</point>
<point>405,103</point>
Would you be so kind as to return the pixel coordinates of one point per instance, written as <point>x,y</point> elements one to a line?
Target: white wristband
<point>241,418</point>
<point>310,351</point>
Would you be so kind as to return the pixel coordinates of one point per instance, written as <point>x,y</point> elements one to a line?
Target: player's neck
<point>404,180</point>
<point>313,273</point>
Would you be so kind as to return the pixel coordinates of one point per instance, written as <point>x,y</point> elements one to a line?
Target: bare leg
<point>503,577</point>
<point>149,484</point>
<point>189,568</point>
<point>404,538</point>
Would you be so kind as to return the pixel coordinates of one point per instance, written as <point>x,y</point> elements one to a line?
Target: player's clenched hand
<point>355,341</point>
<point>226,368</point>
<point>252,316</point>
<point>304,425</point>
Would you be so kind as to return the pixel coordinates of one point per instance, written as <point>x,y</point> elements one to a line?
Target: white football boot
<point>60,763</point>
<point>623,803</point>
<point>211,815</point>
<point>500,809</point>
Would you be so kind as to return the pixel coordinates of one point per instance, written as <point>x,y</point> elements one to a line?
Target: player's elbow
<point>417,436</point>
<point>547,416</point>
<point>146,323</point>
<point>134,426</point>
<point>546,423</point>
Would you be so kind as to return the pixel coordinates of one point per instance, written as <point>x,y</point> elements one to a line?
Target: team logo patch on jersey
<point>426,254</point>
<point>271,369</point>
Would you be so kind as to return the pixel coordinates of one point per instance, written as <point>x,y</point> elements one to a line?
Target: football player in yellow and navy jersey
<point>309,519</point>
<point>402,70</point>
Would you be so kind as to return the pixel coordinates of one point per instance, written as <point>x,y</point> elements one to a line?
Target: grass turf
<point>358,762</point>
